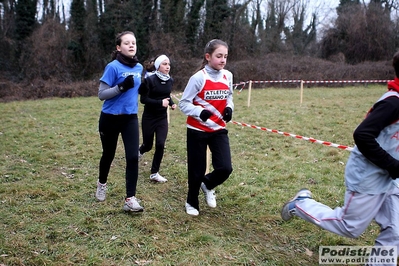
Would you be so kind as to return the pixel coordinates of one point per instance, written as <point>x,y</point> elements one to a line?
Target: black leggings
<point>154,126</point>
<point>197,143</point>
<point>109,127</point>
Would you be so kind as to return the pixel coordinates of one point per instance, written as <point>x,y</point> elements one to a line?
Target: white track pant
<point>352,219</point>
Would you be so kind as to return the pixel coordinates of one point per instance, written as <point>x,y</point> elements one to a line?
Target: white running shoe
<point>132,204</point>
<point>210,196</point>
<point>101,191</point>
<point>191,210</point>
<point>158,178</point>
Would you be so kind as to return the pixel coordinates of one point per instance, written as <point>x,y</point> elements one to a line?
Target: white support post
<point>249,93</point>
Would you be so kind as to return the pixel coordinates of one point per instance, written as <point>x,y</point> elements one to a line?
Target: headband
<point>159,60</point>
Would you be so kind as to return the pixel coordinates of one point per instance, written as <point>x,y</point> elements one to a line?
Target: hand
<point>127,84</point>
<point>227,114</point>
<point>173,106</point>
<point>205,114</point>
<point>165,102</point>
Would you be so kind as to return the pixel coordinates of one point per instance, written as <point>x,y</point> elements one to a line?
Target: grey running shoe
<point>132,204</point>
<point>158,178</point>
<point>101,191</point>
<point>288,210</point>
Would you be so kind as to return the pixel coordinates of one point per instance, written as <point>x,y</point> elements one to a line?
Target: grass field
<point>50,151</point>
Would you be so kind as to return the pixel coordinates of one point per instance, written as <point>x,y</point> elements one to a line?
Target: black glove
<point>205,114</point>
<point>127,84</point>
<point>227,114</point>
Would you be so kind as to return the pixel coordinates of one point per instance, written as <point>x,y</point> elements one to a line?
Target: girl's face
<point>128,45</point>
<point>217,60</point>
<point>164,67</point>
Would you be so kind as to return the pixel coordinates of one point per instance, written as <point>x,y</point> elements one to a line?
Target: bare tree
<point>45,54</point>
<point>7,42</point>
<point>299,36</point>
<point>275,23</point>
<point>361,33</point>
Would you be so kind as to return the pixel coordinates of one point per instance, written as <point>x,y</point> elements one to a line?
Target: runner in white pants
<point>354,217</point>
<point>372,190</point>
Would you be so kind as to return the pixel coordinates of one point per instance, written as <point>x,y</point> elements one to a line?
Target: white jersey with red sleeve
<point>208,89</point>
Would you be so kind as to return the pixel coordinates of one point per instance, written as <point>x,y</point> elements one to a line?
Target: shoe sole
<point>285,214</point>
<point>157,181</point>
<point>192,214</point>
<point>130,210</point>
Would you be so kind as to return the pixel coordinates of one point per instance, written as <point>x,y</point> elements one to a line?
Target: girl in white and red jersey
<point>208,103</point>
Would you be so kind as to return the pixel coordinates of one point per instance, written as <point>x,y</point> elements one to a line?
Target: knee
<point>388,234</point>
<point>146,148</point>
<point>133,157</point>
<point>228,169</point>
<point>225,171</point>
<point>160,145</point>
<point>108,157</point>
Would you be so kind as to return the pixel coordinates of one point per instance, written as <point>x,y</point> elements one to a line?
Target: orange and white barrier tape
<point>296,136</point>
